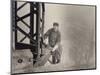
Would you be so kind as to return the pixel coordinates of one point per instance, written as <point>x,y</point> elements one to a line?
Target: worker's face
<point>55,28</point>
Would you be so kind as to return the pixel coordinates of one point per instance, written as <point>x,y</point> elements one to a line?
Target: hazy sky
<point>77,27</point>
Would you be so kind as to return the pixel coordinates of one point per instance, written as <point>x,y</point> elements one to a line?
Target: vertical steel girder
<point>34,45</point>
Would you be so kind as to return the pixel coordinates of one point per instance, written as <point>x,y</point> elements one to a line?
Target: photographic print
<point>52,37</point>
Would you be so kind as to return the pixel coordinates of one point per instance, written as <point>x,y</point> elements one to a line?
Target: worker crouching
<point>54,43</point>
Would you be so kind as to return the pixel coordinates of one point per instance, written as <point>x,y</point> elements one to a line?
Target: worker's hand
<point>55,47</point>
<point>45,41</point>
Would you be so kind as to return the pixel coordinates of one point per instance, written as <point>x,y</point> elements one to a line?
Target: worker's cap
<point>55,24</point>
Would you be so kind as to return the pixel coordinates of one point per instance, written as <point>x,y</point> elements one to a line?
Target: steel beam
<point>25,46</point>
<point>18,28</point>
<point>22,6</point>
<point>15,22</point>
<point>23,17</point>
<point>23,22</point>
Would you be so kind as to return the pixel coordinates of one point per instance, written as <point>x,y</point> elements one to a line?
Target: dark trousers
<point>56,57</point>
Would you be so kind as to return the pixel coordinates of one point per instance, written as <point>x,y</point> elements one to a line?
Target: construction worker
<point>54,40</point>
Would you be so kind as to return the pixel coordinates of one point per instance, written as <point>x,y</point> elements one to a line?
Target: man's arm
<point>45,37</point>
<point>46,34</point>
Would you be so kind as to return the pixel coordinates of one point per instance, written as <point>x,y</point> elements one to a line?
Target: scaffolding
<point>35,37</point>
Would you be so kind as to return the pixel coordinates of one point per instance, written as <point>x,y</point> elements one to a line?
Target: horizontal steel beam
<point>24,46</point>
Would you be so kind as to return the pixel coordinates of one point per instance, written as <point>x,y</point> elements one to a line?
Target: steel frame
<point>34,45</point>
